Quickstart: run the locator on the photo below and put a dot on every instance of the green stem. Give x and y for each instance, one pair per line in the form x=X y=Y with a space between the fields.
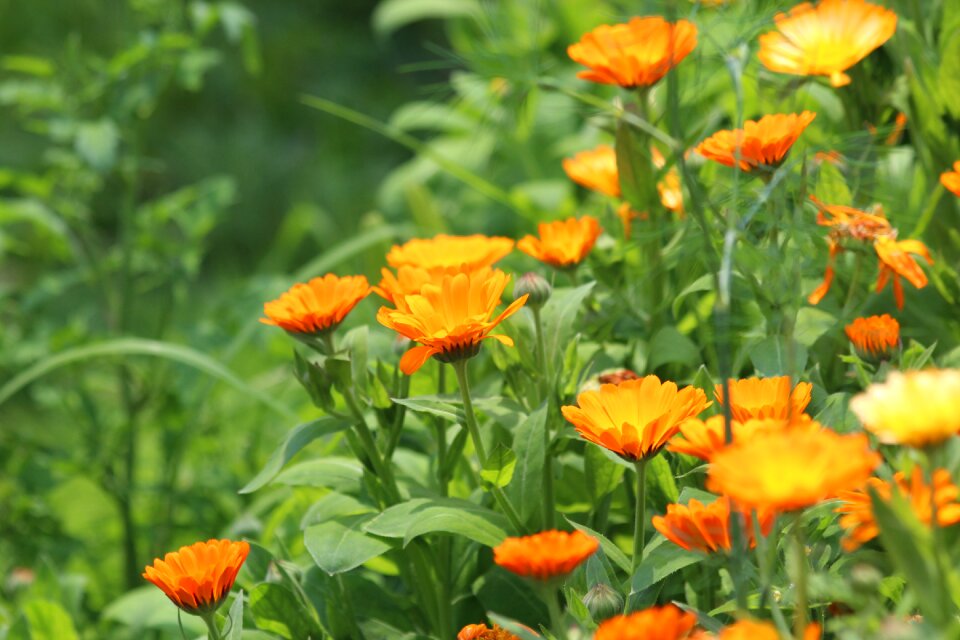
x=640 y=517
x=549 y=507
x=854 y=281
x=549 y=595
x=210 y=619
x=800 y=579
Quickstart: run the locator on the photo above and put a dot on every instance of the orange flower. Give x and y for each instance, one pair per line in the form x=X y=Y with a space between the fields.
x=317 y=306
x=766 y=398
x=198 y=578
x=826 y=40
x=874 y=336
x=857 y=510
x=635 y=418
x=545 y=555
x=706 y=528
x=790 y=469
x=627 y=215
x=595 y=169
x=465 y=252
x=563 y=243
x=755 y=630
x=635 y=54
x=916 y=408
x=703 y=438
x=895 y=261
x=656 y=623
x=951 y=179
x=760 y=144
x=409 y=280
x=482 y=632
x=451 y=317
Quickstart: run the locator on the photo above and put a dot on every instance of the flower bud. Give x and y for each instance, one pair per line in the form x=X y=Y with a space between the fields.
x=602 y=601
x=535 y=285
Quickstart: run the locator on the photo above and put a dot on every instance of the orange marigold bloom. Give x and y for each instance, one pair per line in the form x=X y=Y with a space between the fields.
x=915 y=408
x=874 y=336
x=826 y=40
x=703 y=438
x=790 y=469
x=760 y=144
x=857 y=510
x=656 y=623
x=409 y=280
x=635 y=54
x=465 y=252
x=706 y=528
x=951 y=179
x=197 y=578
x=482 y=632
x=451 y=317
x=563 y=243
x=545 y=555
x=635 y=418
x=595 y=169
x=756 y=630
x=896 y=261
x=766 y=398
x=319 y=305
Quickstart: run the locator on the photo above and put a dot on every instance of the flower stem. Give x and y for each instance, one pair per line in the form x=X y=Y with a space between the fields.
x=640 y=521
x=800 y=579
x=210 y=619
x=548 y=594
x=547 y=396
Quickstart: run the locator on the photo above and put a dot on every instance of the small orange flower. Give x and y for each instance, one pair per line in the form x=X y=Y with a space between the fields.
x=703 y=438
x=451 y=317
x=706 y=528
x=766 y=398
x=564 y=243
x=760 y=144
x=756 y=630
x=951 y=179
x=595 y=169
x=656 y=623
x=635 y=418
x=791 y=469
x=874 y=336
x=319 y=305
x=409 y=280
x=635 y=54
x=545 y=555
x=857 y=510
x=465 y=252
x=826 y=40
x=896 y=261
x=198 y=578
x=482 y=632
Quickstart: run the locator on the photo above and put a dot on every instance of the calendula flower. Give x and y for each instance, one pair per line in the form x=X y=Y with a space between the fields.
x=635 y=418
x=856 y=508
x=916 y=408
x=409 y=280
x=951 y=179
x=564 y=243
x=874 y=336
x=317 y=306
x=765 y=398
x=761 y=144
x=896 y=262
x=826 y=39
x=482 y=632
x=464 y=252
x=635 y=54
x=756 y=630
x=785 y=470
x=595 y=169
x=451 y=317
x=706 y=528
x=656 y=623
x=545 y=555
x=197 y=578
x=703 y=438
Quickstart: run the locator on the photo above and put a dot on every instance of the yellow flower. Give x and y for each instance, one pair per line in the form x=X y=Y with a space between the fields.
x=595 y=169
x=564 y=243
x=760 y=144
x=703 y=438
x=465 y=252
x=317 y=306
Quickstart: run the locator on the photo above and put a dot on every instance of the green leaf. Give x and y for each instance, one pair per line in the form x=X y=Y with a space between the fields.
x=777 y=356
x=811 y=325
x=340 y=474
x=147 y=608
x=498 y=470
x=295 y=440
x=501 y=592
x=439 y=406
x=705 y=282
x=831 y=187
x=634 y=166
x=275 y=608
x=559 y=316
x=334 y=505
x=602 y=474
x=341 y=545
x=97 y=143
x=948 y=76
x=660 y=475
x=420 y=516
x=613 y=552
x=528 y=443
x=48 y=620
x=235 y=618
x=916 y=356
x=391 y=15
x=669 y=346
x=661 y=558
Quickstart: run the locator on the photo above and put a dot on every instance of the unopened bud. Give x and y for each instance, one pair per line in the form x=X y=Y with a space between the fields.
x=603 y=602
x=535 y=285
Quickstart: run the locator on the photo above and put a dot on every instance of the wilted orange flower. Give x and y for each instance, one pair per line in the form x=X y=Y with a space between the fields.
x=765 y=398
x=916 y=408
x=896 y=261
x=874 y=336
x=826 y=40
x=466 y=252
x=319 y=305
x=635 y=54
x=951 y=179
x=656 y=623
x=545 y=555
x=451 y=317
x=760 y=144
x=706 y=528
x=635 y=418
x=482 y=632
x=703 y=438
x=857 y=510
x=788 y=469
x=756 y=630
x=197 y=578
x=595 y=169
x=563 y=243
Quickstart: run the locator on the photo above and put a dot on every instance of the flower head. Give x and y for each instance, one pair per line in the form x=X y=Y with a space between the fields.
x=595 y=169
x=545 y=555
x=760 y=144
x=706 y=528
x=826 y=40
x=635 y=418
x=409 y=280
x=482 y=632
x=451 y=317
x=198 y=578
x=656 y=623
x=703 y=438
x=896 y=262
x=916 y=408
x=319 y=305
x=766 y=398
x=856 y=508
x=563 y=243
x=786 y=469
x=464 y=252
x=635 y=54
x=756 y=630
x=874 y=336
x=951 y=179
